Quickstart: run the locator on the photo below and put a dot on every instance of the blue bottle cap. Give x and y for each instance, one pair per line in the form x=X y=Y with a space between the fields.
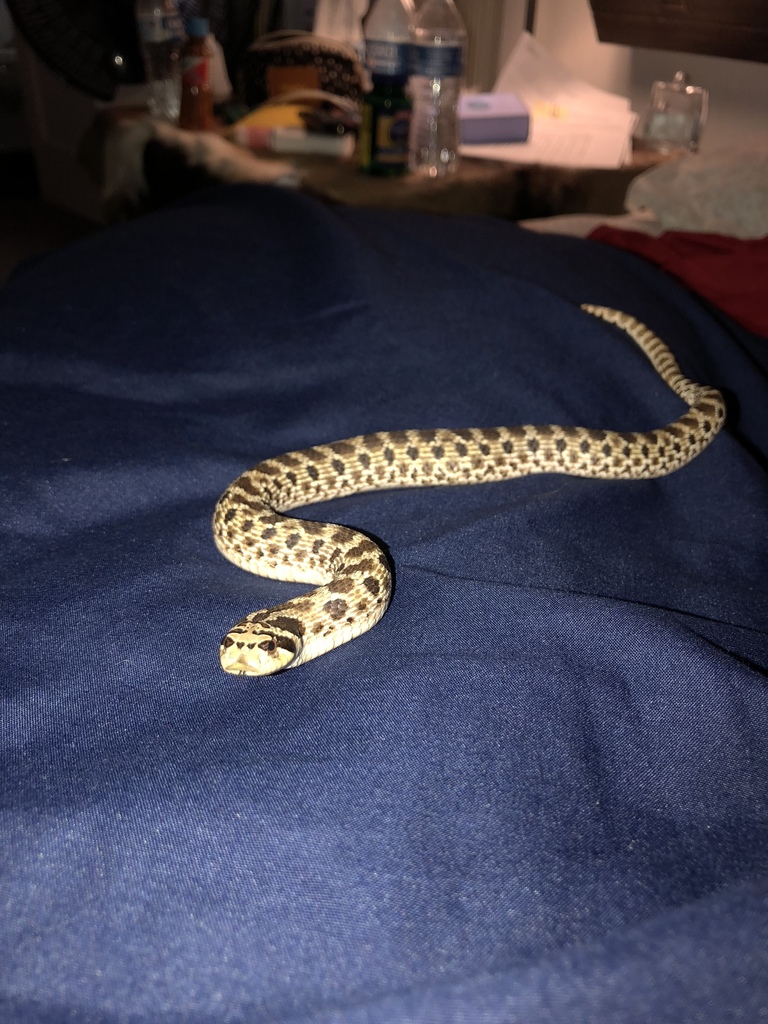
x=198 y=27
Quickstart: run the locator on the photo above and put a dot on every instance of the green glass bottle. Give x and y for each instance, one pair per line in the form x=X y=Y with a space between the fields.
x=386 y=119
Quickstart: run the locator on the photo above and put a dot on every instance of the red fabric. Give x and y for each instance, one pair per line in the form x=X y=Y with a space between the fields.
x=732 y=273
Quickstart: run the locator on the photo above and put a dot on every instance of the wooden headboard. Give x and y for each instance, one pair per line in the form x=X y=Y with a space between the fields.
x=722 y=28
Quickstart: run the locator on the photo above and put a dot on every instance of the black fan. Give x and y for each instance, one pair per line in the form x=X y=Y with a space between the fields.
x=91 y=43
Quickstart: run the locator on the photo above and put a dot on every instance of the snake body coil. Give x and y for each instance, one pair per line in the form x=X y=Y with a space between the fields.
x=351 y=573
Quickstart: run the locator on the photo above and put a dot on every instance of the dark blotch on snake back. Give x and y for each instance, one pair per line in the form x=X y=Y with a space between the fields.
x=315 y=454
x=286 y=459
x=342 y=586
x=287 y=623
x=310 y=526
x=341 y=448
x=336 y=608
x=365 y=547
x=364 y=565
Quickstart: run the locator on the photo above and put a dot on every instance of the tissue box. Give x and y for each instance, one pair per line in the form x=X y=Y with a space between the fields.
x=493 y=117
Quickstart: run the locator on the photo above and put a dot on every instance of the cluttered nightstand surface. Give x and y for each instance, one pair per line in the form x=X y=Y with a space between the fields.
x=170 y=163
x=495 y=188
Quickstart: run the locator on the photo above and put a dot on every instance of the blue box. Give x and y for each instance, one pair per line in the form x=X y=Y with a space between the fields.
x=493 y=117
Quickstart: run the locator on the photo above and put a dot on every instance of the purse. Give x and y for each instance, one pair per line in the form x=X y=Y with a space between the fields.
x=286 y=61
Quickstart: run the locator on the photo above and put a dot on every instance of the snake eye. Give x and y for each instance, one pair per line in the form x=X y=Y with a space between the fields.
x=270 y=646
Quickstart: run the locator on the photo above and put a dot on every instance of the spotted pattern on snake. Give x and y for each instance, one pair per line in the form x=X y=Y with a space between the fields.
x=351 y=572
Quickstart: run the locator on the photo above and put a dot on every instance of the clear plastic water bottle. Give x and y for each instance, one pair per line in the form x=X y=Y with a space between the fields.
x=387 y=33
x=439 y=42
x=161 y=35
x=386 y=113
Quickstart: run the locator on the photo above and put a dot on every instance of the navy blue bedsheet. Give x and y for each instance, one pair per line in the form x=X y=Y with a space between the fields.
x=536 y=792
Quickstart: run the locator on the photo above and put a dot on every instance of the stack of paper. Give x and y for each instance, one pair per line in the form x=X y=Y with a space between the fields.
x=573 y=124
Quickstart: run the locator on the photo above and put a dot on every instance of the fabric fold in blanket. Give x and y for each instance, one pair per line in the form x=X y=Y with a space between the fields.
x=536 y=792
x=731 y=273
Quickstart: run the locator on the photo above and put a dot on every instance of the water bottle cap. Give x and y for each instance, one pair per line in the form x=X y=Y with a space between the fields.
x=198 y=27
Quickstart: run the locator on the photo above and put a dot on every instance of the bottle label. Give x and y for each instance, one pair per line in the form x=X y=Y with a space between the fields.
x=438 y=61
x=383 y=57
x=195 y=72
x=392 y=137
x=383 y=140
x=161 y=28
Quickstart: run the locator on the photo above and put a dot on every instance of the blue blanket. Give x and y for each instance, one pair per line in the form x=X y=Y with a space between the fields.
x=536 y=792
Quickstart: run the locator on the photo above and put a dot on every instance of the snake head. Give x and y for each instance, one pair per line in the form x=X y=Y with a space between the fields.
x=258 y=649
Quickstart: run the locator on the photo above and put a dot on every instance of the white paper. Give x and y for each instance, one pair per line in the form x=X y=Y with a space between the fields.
x=575 y=143
x=573 y=124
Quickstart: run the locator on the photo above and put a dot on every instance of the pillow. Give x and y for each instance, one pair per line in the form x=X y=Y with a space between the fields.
x=725 y=193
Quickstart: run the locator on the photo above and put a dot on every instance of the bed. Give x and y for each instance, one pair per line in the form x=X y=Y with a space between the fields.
x=535 y=792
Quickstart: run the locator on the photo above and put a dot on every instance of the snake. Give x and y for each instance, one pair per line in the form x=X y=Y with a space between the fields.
x=349 y=571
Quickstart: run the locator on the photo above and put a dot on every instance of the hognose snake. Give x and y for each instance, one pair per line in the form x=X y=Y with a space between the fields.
x=350 y=571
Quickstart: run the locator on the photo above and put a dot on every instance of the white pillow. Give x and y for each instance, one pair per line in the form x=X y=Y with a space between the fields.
x=725 y=193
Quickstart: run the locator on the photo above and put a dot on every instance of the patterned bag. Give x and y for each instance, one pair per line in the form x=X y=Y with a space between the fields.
x=285 y=61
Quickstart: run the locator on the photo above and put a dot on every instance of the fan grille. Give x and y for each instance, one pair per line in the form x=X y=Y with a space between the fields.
x=92 y=44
